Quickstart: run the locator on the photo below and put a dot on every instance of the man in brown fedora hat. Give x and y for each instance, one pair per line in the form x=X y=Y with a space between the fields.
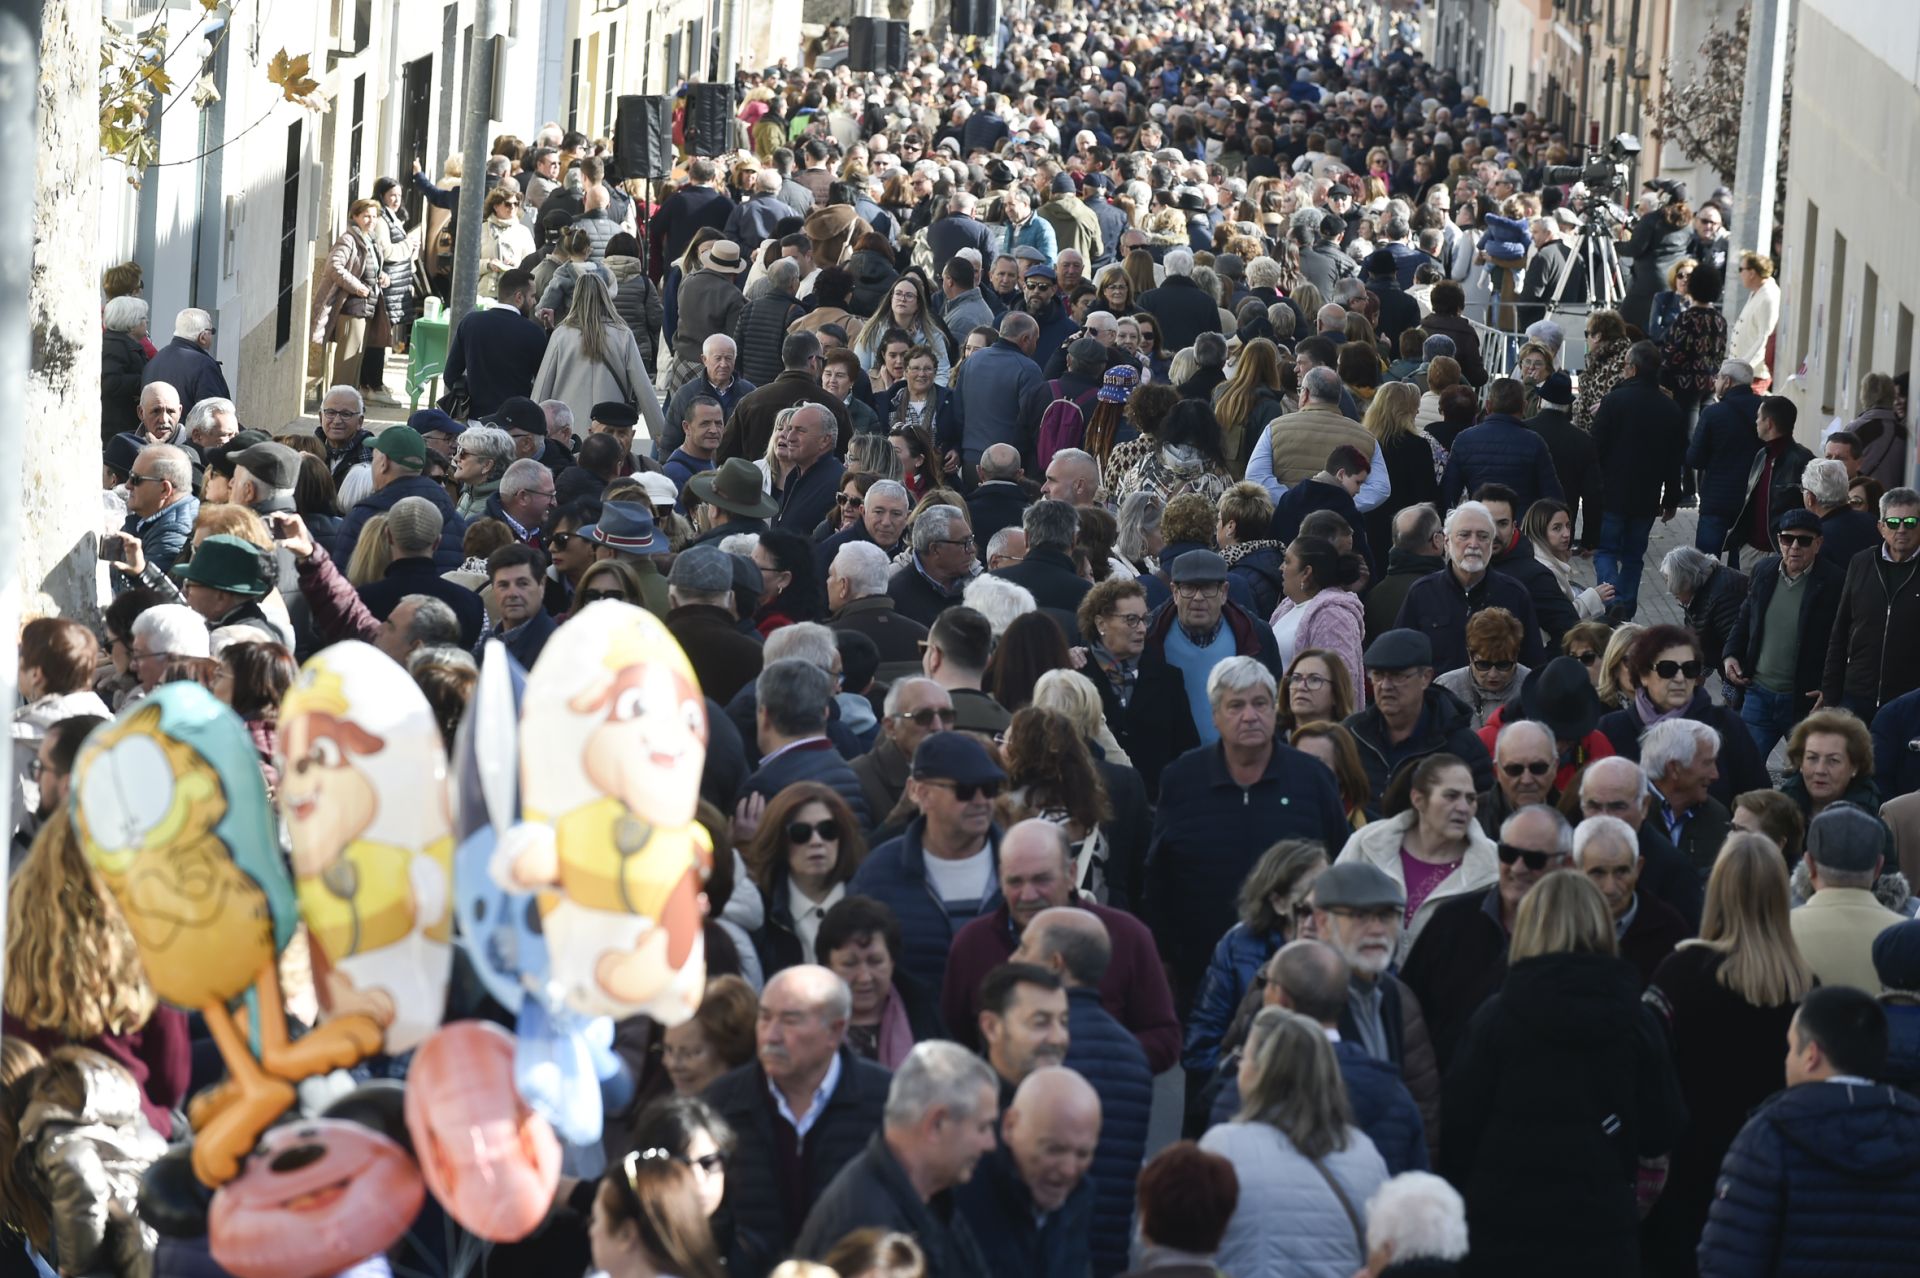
x=710 y=302
x=728 y=500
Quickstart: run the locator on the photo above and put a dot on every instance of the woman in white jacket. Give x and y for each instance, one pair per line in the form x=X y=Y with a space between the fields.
x=1305 y=1171
x=1434 y=849
x=1758 y=317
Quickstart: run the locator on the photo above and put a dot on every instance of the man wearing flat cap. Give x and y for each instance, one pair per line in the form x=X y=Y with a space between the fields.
x=1359 y=911
x=1780 y=665
x=225 y=580
x=1847 y=847
x=941 y=873
x=399 y=458
x=700 y=615
x=1408 y=718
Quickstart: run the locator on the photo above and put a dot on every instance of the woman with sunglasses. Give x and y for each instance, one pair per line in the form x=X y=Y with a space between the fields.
x=801 y=854
x=649 y=1220
x=505 y=241
x=1667 y=668
x=608 y=579
x=1430 y=843
x=1491 y=680
x=1275 y=908
x=569 y=554
x=1317 y=686
x=860 y=942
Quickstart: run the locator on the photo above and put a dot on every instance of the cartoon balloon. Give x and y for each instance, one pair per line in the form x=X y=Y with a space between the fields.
x=488 y=1158
x=612 y=742
x=169 y=803
x=315 y=1198
x=363 y=787
x=499 y=926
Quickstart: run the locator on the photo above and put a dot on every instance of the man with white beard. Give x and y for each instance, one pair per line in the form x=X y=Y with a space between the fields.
x=1439 y=604
x=1359 y=911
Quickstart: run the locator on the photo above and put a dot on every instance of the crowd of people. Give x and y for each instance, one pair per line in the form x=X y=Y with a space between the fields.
x=1163 y=586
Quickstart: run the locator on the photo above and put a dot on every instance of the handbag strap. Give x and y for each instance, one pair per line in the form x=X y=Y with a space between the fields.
x=1346 y=1205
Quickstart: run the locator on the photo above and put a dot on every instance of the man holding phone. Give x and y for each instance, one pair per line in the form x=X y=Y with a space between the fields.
x=161 y=506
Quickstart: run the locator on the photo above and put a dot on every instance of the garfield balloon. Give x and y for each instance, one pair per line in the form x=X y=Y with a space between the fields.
x=170 y=805
x=363 y=789
x=613 y=738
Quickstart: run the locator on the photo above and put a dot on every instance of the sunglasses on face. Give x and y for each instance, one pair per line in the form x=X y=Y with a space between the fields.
x=802 y=832
x=1535 y=861
x=1484 y=666
x=925 y=718
x=967 y=792
x=1796 y=539
x=560 y=541
x=1902 y=521
x=593 y=596
x=849 y=500
x=1586 y=658
x=1538 y=768
x=1682 y=669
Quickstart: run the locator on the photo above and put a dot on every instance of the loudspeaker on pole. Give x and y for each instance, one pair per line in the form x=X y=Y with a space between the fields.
x=710 y=109
x=643 y=136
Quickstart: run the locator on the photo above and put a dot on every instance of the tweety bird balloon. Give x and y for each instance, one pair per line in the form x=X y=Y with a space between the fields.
x=363 y=788
x=169 y=803
x=613 y=738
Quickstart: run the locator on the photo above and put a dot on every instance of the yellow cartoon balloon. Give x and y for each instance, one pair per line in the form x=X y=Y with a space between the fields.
x=363 y=789
x=612 y=742
x=169 y=803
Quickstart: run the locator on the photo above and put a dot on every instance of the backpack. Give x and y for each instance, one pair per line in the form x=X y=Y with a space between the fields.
x=1062 y=425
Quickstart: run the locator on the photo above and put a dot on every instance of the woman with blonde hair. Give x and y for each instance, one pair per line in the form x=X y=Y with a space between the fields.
x=1247 y=401
x=1304 y=1168
x=73 y=974
x=371 y=554
x=1758 y=318
x=344 y=298
x=1415 y=461
x=592 y=358
x=1334 y=745
x=1560 y=1091
x=1726 y=999
x=1071 y=693
x=1615 y=682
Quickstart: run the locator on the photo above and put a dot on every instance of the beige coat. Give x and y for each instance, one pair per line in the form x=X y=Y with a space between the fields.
x=1378 y=844
x=1835 y=933
x=566 y=374
x=353 y=270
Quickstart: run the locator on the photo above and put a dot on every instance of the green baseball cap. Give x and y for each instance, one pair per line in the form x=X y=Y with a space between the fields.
x=403 y=445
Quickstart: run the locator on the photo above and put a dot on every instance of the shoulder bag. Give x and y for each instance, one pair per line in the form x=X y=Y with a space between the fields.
x=1346 y=1205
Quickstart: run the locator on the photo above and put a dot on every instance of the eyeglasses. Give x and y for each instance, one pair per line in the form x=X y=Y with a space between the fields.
x=967 y=541
x=1311 y=682
x=594 y=596
x=134 y=481
x=340 y=412
x=1539 y=768
x=1198 y=589
x=927 y=716
x=1535 y=861
x=560 y=541
x=848 y=501
x=1483 y=666
x=1797 y=539
x=966 y=792
x=35 y=768
x=803 y=832
x=1586 y=658
x=1386 y=914
x=137 y=656
x=1684 y=669
x=1902 y=521
x=1131 y=620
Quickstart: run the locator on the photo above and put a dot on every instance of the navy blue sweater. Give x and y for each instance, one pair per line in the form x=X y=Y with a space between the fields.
x=1105 y=1053
x=895 y=873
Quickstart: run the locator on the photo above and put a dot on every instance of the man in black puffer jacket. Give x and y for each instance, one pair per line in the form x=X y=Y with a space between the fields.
x=1825 y=1177
x=1408 y=718
x=1722 y=450
x=775 y=1176
x=1100 y=1049
x=762 y=324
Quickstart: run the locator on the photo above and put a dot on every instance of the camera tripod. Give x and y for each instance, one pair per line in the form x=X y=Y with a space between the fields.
x=1594 y=254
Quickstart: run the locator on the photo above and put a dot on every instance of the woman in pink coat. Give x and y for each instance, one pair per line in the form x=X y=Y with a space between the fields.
x=1320 y=610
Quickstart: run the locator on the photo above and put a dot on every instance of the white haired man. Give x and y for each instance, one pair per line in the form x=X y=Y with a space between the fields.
x=1607 y=850
x=186 y=363
x=1438 y=605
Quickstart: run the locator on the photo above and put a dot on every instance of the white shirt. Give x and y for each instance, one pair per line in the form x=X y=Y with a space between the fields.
x=964 y=879
x=807 y=915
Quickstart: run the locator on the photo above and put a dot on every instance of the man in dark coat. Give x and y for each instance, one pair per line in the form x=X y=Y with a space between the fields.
x=525 y=625
x=496 y=351
x=750 y=429
x=1182 y=307
x=1074 y=944
x=1398 y=311
x=800 y=1113
x=1871 y=658
x=1607 y=851
x=959 y=229
x=413 y=531
x=399 y=455
x=1419 y=550
x=810 y=473
x=1641 y=436
x=1324 y=264
x=904 y=1180
x=1438 y=606
x=998 y=501
x=1844 y=531
x=1575 y=463
x=186 y=363
x=1773 y=479
x=791 y=701
x=1407 y=718
x=1825 y=1177
x=1501 y=450
x=700 y=616
x=1030 y=1204
x=698 y=204
x=1724 y=443
x=1047 y=572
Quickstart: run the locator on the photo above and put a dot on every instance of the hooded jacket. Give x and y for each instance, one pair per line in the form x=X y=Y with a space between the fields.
x=1336 y=620
x=1824 y=1179
x=1563 y=1084
x=1378 y=844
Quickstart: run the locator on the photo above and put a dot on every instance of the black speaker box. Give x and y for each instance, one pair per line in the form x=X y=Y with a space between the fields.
x=876 y=44
x=710 y=110
x=643 y=136
x=975 y=17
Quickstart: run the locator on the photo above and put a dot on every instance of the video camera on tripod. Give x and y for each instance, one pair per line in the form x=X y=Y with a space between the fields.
x=1604 y=176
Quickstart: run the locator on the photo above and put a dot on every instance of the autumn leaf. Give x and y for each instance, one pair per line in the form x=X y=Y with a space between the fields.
x=291 y=75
